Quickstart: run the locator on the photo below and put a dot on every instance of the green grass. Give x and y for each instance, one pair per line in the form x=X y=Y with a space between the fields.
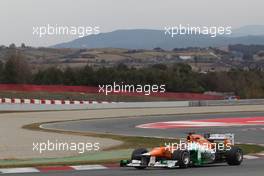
x=250 y=149
x=101 y=157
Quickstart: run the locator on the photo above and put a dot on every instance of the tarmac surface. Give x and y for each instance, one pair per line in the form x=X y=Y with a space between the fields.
x=127 y=126
x=247 y=168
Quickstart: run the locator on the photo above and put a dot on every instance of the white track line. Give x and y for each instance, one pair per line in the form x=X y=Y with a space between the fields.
x=250 y=157
x=19 y=170
x=88 y=167
x=260 y=154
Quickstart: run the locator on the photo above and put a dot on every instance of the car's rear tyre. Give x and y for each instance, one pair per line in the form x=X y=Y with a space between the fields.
x=137 y=155
x=234 y=156
x=183 y=158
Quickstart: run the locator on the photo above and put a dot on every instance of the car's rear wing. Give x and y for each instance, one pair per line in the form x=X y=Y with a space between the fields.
x=220 y=137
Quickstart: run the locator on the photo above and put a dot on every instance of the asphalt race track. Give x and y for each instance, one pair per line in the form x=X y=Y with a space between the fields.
x=248 y=168
x=126 y=126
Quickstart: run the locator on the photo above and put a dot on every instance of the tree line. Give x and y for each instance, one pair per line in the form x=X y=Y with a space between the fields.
x=248 y=51
x=178 y=77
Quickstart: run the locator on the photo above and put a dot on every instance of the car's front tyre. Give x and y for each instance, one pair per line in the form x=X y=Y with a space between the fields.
x=183 y=158
x=137 y=155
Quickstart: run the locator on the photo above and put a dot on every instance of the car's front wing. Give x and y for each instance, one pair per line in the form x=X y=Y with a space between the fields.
x=138 y=163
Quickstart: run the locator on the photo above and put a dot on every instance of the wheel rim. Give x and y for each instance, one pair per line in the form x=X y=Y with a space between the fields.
x=185 y=159
x=239 y=156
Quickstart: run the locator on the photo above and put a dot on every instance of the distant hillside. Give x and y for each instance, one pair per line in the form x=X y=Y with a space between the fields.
x=149 y=39
x=252 y=30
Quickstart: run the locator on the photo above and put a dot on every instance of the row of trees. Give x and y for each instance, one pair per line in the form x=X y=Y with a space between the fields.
x=177 y=78
x=15 y=70
x=248 y=51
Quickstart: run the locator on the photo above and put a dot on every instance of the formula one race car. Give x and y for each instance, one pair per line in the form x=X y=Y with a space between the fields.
x=194 y=150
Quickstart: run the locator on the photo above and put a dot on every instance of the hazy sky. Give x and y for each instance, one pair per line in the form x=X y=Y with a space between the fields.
x=19 y=16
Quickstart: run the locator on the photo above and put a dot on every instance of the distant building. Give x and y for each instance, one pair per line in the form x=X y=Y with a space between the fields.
x=186 y=57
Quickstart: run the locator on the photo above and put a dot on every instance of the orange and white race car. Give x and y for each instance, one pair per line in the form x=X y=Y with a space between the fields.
x=194 y=150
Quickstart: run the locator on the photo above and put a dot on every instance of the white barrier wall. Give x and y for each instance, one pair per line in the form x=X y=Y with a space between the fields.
x=42 y=105
x=102 y=105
